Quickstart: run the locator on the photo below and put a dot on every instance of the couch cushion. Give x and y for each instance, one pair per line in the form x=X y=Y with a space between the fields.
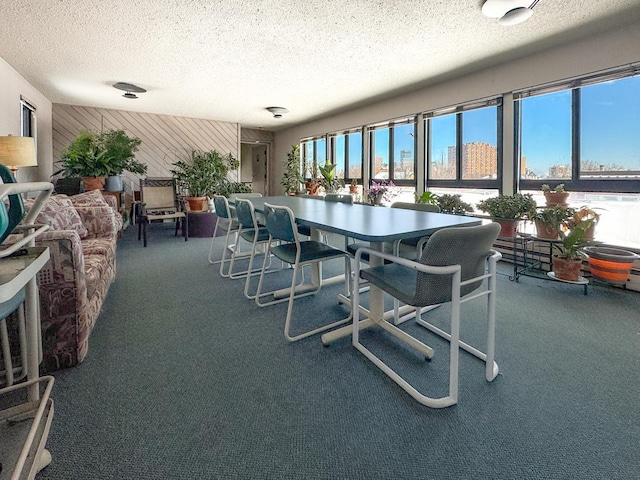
x=60 y=214
x=91 y=198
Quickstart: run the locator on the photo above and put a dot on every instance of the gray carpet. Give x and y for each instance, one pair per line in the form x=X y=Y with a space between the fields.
x=186 y=379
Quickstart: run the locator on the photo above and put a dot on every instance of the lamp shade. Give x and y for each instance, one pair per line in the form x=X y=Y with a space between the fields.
x=18 y=152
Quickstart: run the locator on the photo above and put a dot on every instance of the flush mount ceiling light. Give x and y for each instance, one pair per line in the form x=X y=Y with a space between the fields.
x=129 y=88
x=277 y=111
x=510 y=12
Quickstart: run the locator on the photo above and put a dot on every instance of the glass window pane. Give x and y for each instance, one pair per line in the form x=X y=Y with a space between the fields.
x=403 y=152
x=479 y=144
x=355 y=155
x=442 y=148
x=339 y=155
x=321 y=151
x=610 y=122
x=381 y=153
x=546 y=136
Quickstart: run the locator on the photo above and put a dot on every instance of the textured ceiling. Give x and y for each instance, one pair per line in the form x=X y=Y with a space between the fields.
x=229 y=60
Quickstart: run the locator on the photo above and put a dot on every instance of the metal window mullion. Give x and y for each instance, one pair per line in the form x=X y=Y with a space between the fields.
x=575 y=134
x=459 y=126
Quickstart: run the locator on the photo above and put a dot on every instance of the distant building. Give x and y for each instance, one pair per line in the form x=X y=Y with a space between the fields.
x=479 y=160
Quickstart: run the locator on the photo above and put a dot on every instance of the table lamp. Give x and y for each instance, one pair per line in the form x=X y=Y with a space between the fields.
x=16 y=152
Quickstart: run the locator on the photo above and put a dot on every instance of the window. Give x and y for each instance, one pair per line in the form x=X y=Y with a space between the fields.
x=582 y=133
x=462 y=146
x=609 y=127
x=27 y=119
x=545 y=129
x=347 y=154
x=393 y=151
x=314 y=149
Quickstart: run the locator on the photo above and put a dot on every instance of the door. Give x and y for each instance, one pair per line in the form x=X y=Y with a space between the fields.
x=254 y=166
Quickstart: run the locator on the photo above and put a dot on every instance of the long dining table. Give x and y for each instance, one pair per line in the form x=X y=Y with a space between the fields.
x=373 y=224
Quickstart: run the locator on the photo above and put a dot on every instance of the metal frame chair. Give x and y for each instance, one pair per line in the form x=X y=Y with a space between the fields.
x=452 y=267
x=158 y=201
x=281 y=225
x=223 y=212
x=250 y=231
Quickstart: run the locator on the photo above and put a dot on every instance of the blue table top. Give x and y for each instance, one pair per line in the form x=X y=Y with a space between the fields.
x=365 y=222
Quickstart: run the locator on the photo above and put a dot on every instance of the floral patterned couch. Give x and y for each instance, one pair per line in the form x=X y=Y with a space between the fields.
x=73 y=285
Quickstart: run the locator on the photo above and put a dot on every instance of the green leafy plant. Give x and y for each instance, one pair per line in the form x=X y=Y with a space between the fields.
x=329 y=180
x=204 y=173
x=453 y=204
x=552 y=216
x=516 y=206
x=572 y=241
x=99 y=154
x=557 y=189
x=292 y=178
x=427 y=197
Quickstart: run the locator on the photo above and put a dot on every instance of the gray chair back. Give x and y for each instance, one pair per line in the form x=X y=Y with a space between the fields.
x=423 y=207
x=468 y=247
x=222 y=206
x=338 y=198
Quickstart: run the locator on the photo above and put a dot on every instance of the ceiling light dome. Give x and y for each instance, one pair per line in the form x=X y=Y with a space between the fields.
x=277 y=111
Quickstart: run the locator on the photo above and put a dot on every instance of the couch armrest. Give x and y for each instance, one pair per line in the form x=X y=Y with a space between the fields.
x=100 y=222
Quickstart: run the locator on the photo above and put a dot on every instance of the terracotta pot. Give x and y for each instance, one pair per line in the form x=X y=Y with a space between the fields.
x=556 y=198
x=508 y=228
x=197 y=204
x=546 y=231
x=93 y=183
x=353 y=189
x=566 y=269
x=611 y=265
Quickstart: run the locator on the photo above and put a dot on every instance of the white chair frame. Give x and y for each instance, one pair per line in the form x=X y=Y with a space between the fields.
x=491 y=367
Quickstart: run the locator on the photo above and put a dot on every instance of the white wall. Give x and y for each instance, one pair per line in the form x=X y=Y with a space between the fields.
x=12 y=85
x=598 y=52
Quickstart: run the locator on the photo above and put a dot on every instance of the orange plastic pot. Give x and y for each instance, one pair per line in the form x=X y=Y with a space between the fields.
x=611 y=265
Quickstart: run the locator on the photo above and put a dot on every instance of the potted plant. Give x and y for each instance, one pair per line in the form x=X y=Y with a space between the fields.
x=121 y=150
x=291 y=178
x=568 y=261
x=353 y=188
x=96 y=155
x=202 y=175
x=508 y=210
x=329 y=181
x=428 y=198
x=453 y=204
x=556 y=196
x=379 y=191
x=313 y=184
x=547 y=219
x=584 y=213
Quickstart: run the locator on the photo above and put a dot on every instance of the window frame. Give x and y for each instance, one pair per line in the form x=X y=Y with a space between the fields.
x=391 y=124
x=458 y=111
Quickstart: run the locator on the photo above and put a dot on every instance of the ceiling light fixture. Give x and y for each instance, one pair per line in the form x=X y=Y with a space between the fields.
x=277 y=111
x=510 y=12
x=129 y=88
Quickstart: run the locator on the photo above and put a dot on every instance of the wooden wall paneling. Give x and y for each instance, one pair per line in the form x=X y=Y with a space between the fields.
x=165 y=138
